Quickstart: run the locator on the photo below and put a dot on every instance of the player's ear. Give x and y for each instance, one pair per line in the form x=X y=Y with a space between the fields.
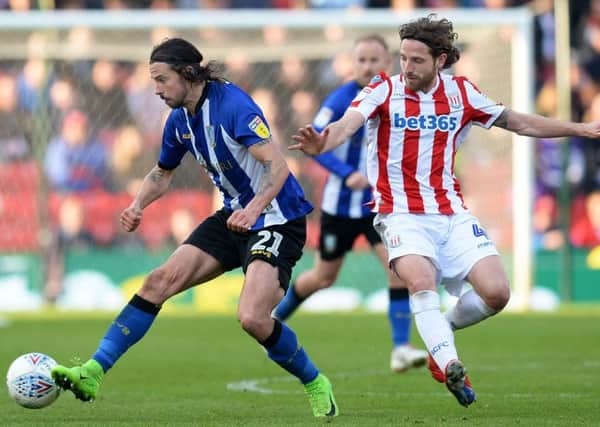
x=440 y=61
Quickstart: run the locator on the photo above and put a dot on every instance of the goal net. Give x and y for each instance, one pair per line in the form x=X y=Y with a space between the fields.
x=79 y=82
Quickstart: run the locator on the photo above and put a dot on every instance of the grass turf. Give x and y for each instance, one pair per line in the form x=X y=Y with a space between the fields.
x=531 y=369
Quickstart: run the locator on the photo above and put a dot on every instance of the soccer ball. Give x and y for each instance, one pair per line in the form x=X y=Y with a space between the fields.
x=29 y=381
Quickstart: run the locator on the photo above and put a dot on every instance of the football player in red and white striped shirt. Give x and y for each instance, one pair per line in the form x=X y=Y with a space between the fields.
x=416 y=122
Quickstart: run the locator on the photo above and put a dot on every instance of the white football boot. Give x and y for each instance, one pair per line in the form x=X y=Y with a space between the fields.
x=406 y=356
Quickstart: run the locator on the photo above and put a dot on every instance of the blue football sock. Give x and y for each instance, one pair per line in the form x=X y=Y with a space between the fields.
x=286 y=307
x=399 y=316
x=283 y=348
x=128 y=328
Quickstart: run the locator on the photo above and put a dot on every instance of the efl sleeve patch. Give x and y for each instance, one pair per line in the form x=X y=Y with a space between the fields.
x=259 y=128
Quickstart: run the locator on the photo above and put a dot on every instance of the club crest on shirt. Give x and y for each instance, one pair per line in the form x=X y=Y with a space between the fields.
x=259 y=128
x=454 y=101
x=210 y=135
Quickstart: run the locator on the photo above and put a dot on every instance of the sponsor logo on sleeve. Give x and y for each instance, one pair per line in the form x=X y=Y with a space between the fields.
x=259 y=128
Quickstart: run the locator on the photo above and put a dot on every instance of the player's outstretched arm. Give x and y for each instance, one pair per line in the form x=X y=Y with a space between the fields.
x=544 y=127
x=310 y=142
x=155 y=184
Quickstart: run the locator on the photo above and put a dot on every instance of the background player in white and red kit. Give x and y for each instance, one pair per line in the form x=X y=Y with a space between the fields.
x=416 y=122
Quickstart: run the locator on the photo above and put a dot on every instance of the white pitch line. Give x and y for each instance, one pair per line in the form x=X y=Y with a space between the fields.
x=261 y=386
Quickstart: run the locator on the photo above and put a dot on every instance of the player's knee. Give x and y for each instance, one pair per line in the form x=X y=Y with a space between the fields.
x=252 y=324
x=498 y=295
x=159 y=284
x=326 y=280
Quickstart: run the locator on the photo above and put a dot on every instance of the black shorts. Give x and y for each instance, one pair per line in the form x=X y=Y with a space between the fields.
x=279 y=245
x=338 y=234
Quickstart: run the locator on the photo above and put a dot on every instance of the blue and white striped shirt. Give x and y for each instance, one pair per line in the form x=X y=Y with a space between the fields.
x=345 y=159
x=218 y=134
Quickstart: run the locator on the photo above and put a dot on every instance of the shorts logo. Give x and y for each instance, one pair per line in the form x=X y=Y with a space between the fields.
x=259 y=128
x=478 y=231
x=395 y=241
x=187 y=136
x=329 y=243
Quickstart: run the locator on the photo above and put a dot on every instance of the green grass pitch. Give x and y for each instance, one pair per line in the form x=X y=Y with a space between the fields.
x=528 y=370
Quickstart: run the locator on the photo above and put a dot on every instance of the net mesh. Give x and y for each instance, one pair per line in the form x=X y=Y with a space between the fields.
x=80 y=125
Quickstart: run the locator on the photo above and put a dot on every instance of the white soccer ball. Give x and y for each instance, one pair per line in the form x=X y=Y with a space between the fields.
x=29 y=381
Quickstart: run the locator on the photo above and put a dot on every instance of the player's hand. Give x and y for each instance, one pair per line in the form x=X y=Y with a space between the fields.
x=356 y=181
x=309 y=141
x=130 y=218
x=592 y=130
x=241 y=221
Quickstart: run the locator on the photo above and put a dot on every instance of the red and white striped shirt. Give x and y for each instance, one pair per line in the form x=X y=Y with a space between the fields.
x=413 y=138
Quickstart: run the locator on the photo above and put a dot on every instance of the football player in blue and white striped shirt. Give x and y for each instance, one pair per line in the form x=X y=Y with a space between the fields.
x=344 y=211
x=261 y=227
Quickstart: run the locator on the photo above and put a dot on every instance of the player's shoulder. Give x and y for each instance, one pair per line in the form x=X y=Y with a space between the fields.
x=226 y=89
x=176 y=115
x=379 y=79
x=462 y=81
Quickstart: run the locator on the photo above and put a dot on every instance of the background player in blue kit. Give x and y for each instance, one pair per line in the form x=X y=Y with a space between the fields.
x=261 y=228
x=344 y=211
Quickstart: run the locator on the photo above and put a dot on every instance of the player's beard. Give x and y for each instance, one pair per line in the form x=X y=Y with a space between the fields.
x=173 y=103
x=417 y=83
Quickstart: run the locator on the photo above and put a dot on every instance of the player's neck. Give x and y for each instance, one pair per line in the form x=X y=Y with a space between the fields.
x=431 y=84
x=194 y=97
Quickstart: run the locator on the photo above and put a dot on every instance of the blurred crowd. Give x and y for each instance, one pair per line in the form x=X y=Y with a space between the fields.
x=255 y=4
x=102 y=123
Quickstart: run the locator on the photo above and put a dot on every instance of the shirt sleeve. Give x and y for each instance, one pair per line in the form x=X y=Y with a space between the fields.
x=372 y=96
x=249 y=125
x=173 y=149
x=482 y=110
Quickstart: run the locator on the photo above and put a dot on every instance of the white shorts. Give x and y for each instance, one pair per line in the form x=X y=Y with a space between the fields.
x=453 y=243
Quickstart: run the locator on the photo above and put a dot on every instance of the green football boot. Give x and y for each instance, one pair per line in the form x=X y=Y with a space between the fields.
x=320 y=396
x=84 y=381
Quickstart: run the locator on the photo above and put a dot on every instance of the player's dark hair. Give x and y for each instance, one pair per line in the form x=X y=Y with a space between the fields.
x=439 y=35
x=185 y=59
x=372 y=38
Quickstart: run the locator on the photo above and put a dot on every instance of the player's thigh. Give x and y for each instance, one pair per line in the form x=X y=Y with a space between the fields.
x=412 y=243
x=186 y=267
x=489 y=279
x=192 y=266
x=416 y=272
x=393 y=280
x=261 y=290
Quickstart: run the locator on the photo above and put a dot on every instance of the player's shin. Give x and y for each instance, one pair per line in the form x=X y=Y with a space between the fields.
x=128 y=328
x=433 y=327
x=283 y=348
x=469 y=309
